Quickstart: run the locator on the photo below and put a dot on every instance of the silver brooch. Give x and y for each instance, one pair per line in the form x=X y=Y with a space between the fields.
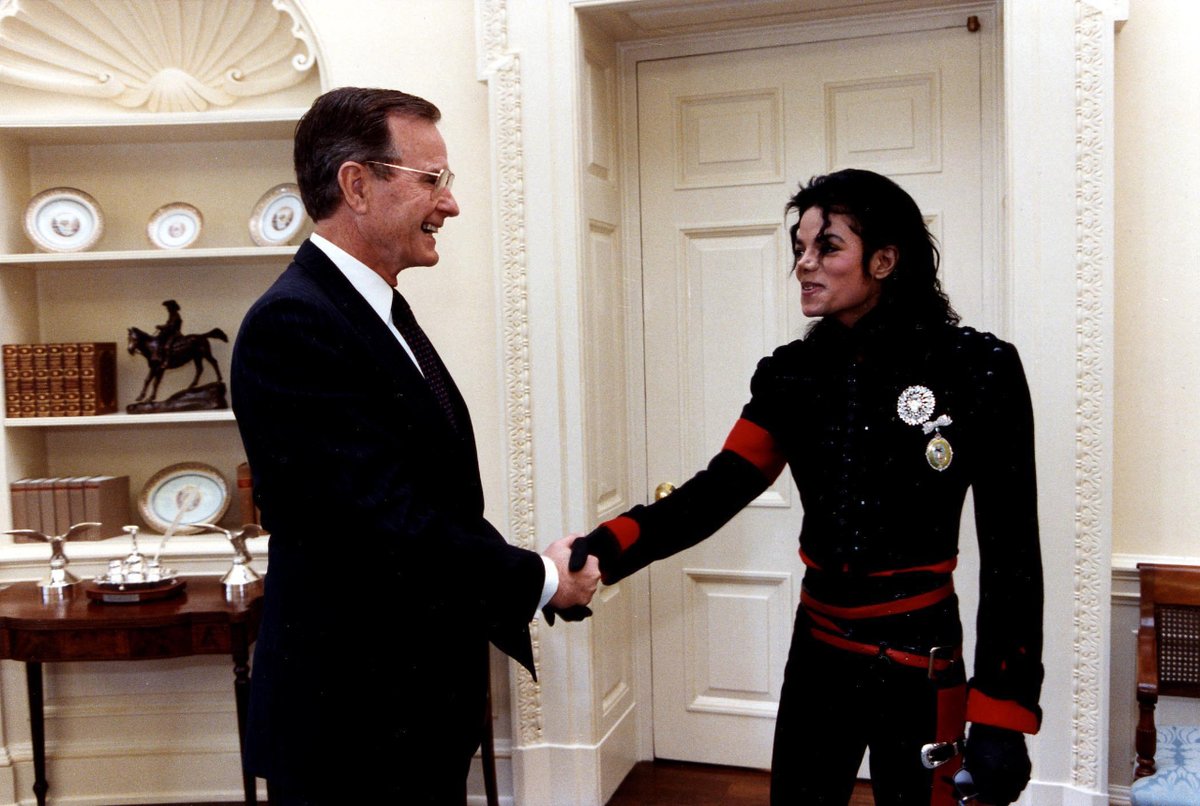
x=915 y=407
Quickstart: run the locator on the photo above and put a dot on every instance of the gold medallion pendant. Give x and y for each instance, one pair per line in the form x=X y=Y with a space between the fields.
x=938 y=453
x=915 y=406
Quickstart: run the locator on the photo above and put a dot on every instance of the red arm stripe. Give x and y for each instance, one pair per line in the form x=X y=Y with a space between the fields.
x=1000 y=713
x=625 y=530
x=755 y=444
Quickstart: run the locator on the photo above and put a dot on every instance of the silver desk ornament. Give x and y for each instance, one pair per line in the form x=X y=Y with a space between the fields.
x=58 y=583
x=136 y=569
x=136 y=578
x=241 y=580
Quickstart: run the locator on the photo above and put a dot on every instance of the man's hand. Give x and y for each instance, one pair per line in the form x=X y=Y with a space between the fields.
x=600 y=544
x=576 y=581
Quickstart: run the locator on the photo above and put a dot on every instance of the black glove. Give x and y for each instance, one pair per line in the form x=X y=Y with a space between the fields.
x=601 y=543
x=572 y=613
x=998 y=763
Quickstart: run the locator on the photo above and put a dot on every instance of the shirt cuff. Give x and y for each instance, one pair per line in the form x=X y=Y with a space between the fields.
x=550 y=586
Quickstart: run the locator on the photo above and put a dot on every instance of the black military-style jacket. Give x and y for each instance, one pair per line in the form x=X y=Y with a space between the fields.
x=853 y=412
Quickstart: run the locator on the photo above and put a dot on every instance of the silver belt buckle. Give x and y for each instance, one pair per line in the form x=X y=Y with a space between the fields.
x=933 y=652
x=936 y=754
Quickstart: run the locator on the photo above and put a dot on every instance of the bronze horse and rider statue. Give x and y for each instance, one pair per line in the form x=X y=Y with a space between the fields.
x=168 y=348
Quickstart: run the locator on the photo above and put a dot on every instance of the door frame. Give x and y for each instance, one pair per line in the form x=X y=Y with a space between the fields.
x=1056 y=180
x=994 y=285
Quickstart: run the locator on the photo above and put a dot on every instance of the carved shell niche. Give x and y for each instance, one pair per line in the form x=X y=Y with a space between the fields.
x=162 y=55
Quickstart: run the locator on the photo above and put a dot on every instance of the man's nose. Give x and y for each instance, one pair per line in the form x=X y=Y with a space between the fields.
x=448 y=204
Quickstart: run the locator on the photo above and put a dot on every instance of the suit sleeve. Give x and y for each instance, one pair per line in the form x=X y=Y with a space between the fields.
x=748 y=462
x=344 y=460
x=1008 y=673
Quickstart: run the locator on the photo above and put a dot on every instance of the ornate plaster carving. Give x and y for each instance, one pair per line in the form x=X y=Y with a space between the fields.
x=502 y=72
x=165 y=56
x=1092 y=71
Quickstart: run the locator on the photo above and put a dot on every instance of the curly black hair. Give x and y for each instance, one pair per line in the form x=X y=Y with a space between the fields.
x=883 y=214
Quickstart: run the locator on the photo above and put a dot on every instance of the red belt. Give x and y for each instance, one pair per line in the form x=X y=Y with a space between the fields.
x=891 y=608
x=931 y=662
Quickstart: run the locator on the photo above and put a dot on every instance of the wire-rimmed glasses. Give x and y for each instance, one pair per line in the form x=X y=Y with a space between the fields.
x=443 y=181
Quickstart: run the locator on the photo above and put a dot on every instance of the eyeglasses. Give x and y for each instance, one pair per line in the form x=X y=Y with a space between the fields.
x=444 y=180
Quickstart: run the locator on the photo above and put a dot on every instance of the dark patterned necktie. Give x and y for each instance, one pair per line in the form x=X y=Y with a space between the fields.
x=427 y=360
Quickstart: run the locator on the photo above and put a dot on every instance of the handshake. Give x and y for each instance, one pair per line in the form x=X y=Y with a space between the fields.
x=578 y=576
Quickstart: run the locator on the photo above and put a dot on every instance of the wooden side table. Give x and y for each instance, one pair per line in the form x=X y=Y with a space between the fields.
x=198 y=621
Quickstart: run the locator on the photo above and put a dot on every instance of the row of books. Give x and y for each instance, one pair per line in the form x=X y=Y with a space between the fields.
x=52 y=505
x=63 y=379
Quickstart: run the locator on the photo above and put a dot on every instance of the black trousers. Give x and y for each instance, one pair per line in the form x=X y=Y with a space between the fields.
x=411 y=745
x=836 y=703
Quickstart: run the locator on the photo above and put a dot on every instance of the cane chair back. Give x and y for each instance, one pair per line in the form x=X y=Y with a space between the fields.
x=1168 y=664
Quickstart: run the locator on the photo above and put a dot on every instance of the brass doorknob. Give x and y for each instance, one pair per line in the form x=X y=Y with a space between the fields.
x=663 y=490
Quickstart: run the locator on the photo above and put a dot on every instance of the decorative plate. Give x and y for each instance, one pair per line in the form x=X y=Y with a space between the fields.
x=174 y=226
x=184 y=494
x=277 y=216
x=63 y=220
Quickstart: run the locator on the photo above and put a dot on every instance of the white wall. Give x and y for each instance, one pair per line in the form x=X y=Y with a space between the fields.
x=1156 y=507
x=1157 y=289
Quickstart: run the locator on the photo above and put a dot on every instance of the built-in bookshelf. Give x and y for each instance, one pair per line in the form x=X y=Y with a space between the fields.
x=222 y=163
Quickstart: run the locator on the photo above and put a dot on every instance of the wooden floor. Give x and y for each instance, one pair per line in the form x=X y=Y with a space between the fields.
x=674 y=783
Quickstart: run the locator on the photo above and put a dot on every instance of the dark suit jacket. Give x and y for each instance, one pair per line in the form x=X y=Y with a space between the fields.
x=384 y=582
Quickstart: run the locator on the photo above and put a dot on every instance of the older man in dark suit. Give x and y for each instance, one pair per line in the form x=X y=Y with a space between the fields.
x=385 y=582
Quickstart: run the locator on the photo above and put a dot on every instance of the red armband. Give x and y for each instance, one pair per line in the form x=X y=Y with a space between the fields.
x=755 y=444
x=1000 y=713
x=625 y=530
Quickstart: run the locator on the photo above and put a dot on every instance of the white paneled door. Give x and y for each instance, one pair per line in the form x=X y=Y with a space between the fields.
x=724 y=139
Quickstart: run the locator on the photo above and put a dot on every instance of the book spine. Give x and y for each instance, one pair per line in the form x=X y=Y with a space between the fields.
x=91 y=507
x=33 y=508
x=25 y=379
x=75 y=501
x=20 y=517
x=70 y=358
x=12 y=392
x=106 y=500
x=41 y=381
x=62 y=506
x=54 y=363
x=46 y=519
x=245 y=490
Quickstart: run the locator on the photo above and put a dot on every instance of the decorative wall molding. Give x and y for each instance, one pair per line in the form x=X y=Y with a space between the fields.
x=501 y=71
x=1092 y=182
x=160 y=56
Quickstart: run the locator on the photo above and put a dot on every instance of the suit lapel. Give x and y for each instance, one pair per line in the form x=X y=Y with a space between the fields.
x=393 y=362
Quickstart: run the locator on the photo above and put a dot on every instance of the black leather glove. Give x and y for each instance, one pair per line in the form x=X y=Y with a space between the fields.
x=998 y=763
x=601 y=543
x=572 y=613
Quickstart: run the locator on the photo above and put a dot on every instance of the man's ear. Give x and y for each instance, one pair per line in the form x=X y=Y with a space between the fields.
x=352 y=180
x=883 y=262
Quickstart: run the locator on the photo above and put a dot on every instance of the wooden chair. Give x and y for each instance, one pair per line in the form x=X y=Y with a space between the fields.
x=1168 y=663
